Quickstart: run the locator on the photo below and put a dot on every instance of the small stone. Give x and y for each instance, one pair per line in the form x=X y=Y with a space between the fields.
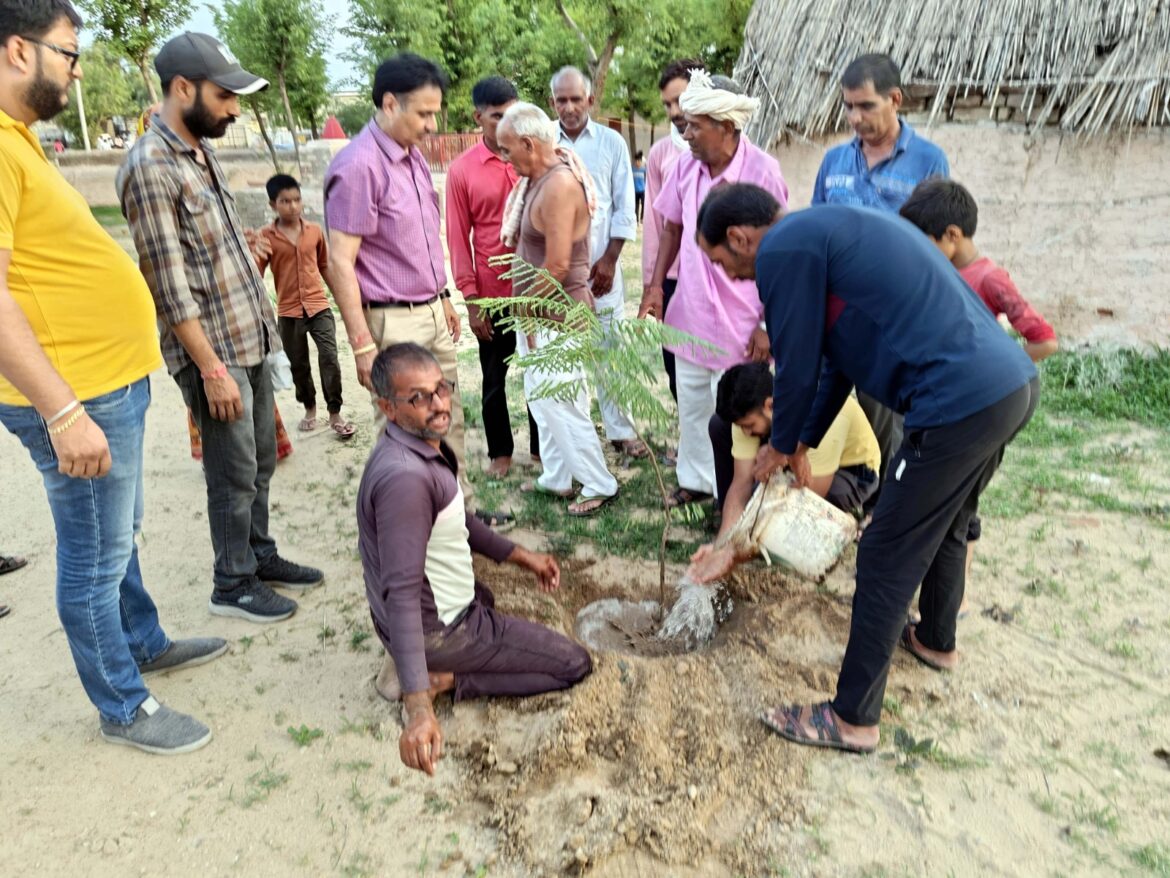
x=507 y=767
x=576 y=842
x=693 y=792
x=580 y=856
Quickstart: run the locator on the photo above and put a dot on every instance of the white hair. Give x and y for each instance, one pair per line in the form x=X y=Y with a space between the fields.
x=567 y=71
x=529 y=120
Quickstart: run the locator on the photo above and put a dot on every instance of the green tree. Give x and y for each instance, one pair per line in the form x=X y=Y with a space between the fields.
x=284 y=41
x=353 y=115
x=134 y=28
x=108 y=90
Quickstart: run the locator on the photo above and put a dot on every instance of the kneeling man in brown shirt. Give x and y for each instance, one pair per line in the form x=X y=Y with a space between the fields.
x=439 y=625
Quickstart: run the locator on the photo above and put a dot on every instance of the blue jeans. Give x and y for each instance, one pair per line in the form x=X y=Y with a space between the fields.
x=109 y=619
x=239 y=458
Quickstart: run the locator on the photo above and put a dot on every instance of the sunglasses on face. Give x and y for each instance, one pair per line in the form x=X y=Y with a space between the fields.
x=422 y=399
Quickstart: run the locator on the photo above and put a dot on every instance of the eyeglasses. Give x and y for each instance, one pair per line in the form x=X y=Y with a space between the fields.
x=422 y=399
x=60 y=50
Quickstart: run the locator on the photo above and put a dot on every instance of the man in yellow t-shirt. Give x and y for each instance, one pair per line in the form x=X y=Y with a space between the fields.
x=77 y=343
x=844 y=466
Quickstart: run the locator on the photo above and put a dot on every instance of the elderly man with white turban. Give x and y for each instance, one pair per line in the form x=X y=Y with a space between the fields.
x=725 y=313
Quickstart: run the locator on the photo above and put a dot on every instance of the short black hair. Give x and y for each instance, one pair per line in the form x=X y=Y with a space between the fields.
x=742 y=390
x=279 y=183
x=937 y=203
x=740 y=204
x=395 y=359
x=639 y=155
x=403 y=73
x=493 y=91
x=680 y=69
x=33 y=18
x=874 y=68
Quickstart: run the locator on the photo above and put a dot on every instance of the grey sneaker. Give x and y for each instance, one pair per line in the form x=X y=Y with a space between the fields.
x=285 y=574
x=185 y=654
x=158 y=729
x=253 y=601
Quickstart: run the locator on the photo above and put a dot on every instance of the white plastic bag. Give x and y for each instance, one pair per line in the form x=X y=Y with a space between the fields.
x=280 y=369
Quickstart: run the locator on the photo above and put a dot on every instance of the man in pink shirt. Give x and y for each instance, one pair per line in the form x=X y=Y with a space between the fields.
x=707 y=304
x=663 y=155
x=478 y=183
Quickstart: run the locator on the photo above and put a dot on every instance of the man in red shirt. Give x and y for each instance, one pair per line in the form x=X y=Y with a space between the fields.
x=478 y=183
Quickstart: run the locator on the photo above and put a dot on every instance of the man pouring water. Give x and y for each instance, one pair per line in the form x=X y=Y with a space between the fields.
x=855 y=298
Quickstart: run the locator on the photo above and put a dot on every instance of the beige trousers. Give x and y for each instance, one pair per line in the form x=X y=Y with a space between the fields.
x=425 y=325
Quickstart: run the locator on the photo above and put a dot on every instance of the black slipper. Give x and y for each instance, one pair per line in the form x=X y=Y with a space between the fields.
x=907 y=644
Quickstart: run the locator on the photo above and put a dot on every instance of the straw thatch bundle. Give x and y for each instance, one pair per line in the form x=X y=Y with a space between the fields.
x=1090 y=67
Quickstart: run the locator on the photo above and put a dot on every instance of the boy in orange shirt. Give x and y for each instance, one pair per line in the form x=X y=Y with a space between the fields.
x=297 y=252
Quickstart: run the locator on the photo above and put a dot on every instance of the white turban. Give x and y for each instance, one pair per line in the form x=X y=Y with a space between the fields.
x=702 y=98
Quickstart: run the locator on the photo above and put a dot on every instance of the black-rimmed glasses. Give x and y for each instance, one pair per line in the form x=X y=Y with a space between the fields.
x=422 y=399
x=60 y=50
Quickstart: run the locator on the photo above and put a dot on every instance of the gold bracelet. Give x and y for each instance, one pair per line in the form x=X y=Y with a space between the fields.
x=69 y=421
x=368 y=349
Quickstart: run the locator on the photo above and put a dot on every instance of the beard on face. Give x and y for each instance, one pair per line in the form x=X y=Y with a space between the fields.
x=43 y=96
x=201 y=123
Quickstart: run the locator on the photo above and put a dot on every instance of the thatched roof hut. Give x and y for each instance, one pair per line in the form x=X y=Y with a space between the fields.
x=1088 y=67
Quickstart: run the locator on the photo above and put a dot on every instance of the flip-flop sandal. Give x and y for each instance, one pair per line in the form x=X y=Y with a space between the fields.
x=344 y=430
x=4 y=610
x=785 y=722
x=307 y=425
x=538 y=488
x=10 y=563
x=685 y=496
x=907 y=644
x=581 y=499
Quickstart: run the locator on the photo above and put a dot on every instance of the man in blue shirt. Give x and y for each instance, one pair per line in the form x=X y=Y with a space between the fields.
x=853 y=297
x=878 y=168
x=886 y=159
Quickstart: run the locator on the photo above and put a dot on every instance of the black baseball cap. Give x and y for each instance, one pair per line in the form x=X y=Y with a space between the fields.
x=199 y=56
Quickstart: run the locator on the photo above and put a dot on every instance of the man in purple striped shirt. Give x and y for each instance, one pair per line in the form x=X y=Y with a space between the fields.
x=385 y=250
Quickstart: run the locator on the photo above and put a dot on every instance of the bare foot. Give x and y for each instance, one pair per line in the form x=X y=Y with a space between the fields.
x=946 y=660
x=389 y=688
x=634 y=448
x=499 y=467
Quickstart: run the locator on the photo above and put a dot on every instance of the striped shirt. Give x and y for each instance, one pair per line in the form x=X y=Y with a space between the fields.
x=384 y=194
x=192 y=250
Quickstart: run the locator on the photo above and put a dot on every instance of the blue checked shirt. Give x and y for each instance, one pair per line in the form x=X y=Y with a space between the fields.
x=845 y=178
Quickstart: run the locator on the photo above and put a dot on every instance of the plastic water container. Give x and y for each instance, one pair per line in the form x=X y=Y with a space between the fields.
x=793 y=526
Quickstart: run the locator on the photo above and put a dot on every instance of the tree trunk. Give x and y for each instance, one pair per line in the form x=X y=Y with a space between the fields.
x=264 y=132
x=144 y=69
x=288 y=115
x=601 y=68
x=314 y=128
x=630 y=132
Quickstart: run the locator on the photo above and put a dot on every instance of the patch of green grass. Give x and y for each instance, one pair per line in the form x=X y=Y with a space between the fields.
x=259 y=785
x=1109 y=384
x=304 y=736
x=362 y=802
x=1104 y=818
x=108 y=214
x=435 y=804
x=357 y=640
x=1123 y=649
x=1153 y=858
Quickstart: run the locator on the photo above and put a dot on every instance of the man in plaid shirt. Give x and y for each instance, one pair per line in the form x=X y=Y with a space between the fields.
x=216 y=321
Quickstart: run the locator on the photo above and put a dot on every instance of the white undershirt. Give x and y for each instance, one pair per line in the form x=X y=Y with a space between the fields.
x=448 y=564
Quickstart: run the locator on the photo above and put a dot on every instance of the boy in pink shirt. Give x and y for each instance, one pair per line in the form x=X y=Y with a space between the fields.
x=947 y=213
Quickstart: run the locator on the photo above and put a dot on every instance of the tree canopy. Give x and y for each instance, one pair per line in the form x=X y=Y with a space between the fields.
x=621 y=44
x=135 y=29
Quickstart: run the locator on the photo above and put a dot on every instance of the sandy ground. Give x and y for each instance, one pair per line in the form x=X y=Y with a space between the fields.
x=1045 y=741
